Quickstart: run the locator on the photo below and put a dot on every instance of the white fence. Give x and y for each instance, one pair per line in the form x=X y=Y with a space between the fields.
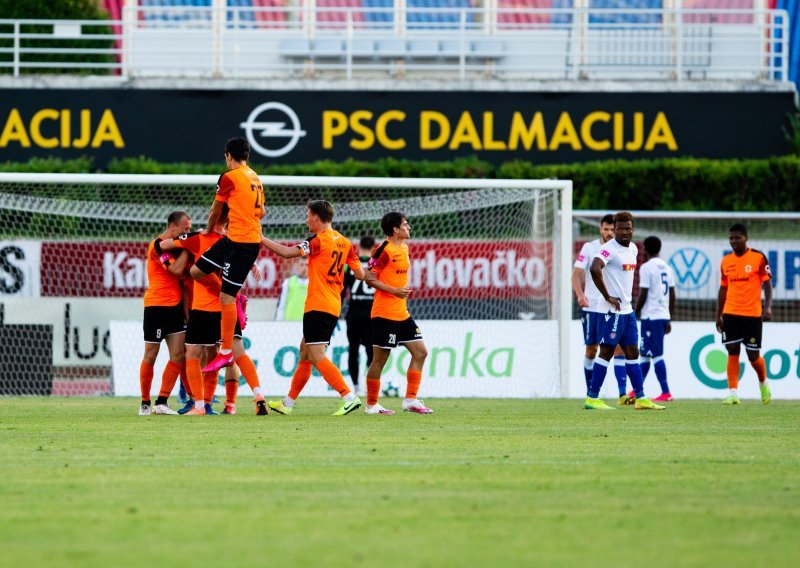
x=264 y=42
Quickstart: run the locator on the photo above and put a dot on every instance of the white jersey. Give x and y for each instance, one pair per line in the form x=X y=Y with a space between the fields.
x=584 y=262
x=656 y=275
x=618 y=274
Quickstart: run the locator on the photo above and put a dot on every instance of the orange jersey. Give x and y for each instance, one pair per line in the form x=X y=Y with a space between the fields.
x=163 y=287
x=241 y=189
x=327 y=253
x=743 y=276
x=390 y=264
x=205 y=294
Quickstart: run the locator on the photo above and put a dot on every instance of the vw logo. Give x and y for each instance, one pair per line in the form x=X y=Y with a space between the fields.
x=692 y=268
x=255 y=129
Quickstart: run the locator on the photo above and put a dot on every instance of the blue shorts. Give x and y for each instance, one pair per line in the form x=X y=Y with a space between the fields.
x=653 y=332
x=618 y=329
x=590 y=322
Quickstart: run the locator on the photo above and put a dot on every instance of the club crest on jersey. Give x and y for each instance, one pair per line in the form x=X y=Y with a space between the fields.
x=748 y=268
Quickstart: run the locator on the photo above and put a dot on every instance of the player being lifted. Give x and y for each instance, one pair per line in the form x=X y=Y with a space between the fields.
x=203 y=332
x=164 y=317
x=739 y=314
x=392 y=324
x=589 y=300
x=240 y=189
x=654 y=306
x=327 y=252
x=612 y=271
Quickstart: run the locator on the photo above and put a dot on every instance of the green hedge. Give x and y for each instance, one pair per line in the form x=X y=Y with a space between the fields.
x=684 y=184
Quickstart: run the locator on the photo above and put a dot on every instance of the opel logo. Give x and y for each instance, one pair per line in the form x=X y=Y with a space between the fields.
x=692 y=268
x=255 y=129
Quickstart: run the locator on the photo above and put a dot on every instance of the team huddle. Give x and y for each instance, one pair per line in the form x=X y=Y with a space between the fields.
x=201 y=315
x=609 y=317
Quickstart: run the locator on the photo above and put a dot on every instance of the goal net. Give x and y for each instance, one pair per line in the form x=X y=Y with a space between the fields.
x=490 y=278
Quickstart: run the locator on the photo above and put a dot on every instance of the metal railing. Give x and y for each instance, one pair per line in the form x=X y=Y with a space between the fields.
x=579 y=43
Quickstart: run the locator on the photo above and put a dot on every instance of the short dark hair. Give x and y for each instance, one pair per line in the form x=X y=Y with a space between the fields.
x=175 y=217
x=391 y=221
x=652 y=245
x=607 y=219
x=367 y=242
x=322 y=209
x=738 y=228
x=238 y=148
x=623 y=217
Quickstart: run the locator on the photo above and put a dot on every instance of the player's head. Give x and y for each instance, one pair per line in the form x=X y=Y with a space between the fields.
x=395 y=224
x=300 y=266
x=607 y=228
x=623 y=228
x=319 y=212
x=737 y=236
x=237 y=149
x=178 y=223
x=366 y=244
x=652 y=246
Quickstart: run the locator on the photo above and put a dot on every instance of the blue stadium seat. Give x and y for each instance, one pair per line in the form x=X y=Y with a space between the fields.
x=384 y=18
x=627 y=13
x=426 y=19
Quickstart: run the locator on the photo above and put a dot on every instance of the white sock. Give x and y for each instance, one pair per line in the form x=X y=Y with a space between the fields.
x=288 y=402
x=734 y=393
x=588 y=363
x=349 y=397
x=199 y=404
x=225 y=351
x=256 y=391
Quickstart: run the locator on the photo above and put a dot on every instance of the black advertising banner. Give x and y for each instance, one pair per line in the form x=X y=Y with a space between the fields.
x=303 y=126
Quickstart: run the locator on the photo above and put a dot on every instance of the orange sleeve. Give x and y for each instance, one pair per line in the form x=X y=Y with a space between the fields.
x=723 y=280
x=380 y=262
x=764 y=269
x=224 y=187
x=352 y=259
x=189 y=241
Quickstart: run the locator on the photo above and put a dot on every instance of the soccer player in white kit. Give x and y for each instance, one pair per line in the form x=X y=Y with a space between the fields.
x=588 y=299
x=612 y=271
x=654 y=308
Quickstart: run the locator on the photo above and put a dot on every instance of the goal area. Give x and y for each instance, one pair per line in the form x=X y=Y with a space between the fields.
x=490 y=278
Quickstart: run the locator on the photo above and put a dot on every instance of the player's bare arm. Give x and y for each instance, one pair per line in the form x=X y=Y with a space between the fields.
x=281 y=250
x=721 y=296
x=767 y=314
x=372 y=280
x=214 y=216
x=578 y=277
x=596 y=271
x=179 y=265
x=640 y=301
x=671 y=308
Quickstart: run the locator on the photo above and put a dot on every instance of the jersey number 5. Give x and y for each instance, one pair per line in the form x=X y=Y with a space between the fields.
x=664 y=282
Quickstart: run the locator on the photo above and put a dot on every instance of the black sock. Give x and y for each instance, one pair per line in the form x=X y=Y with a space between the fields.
x=145 y=403
x=161 y=400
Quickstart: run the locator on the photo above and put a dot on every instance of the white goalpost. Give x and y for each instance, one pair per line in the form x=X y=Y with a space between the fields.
x=491 y=264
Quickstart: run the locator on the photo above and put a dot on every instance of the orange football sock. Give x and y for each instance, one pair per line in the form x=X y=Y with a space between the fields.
x=761 y=369
x=169 y=378
x=414 y=378
x=248 y=369
x=231 y=388
x=228 y=326
x=373 y=390
x=733 y=371
x=209 y=386
x=300 y=378
x=195 y=374
x=185 y=382
x=145 y=380
x=333 y=376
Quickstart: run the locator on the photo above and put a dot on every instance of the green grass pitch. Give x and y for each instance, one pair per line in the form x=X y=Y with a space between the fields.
x=86 y=482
